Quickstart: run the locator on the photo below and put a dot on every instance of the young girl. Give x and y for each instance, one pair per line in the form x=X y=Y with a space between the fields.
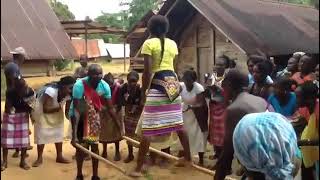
x=130 y=97
x=195 y=114
x=110 y=132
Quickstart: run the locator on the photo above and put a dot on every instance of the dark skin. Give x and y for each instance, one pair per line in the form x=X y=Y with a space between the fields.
x=250 y=66
x=282 y=94
x=305 y=66
x=305 y=100
x=260 y=88
x=220 y=67
x=95 y=76
x=23 y=89
x=200 y=99
x=48 y=108
x=145 y=141
x=132 y=84
x=293 y=65
x=117 y=156
x=18 y=59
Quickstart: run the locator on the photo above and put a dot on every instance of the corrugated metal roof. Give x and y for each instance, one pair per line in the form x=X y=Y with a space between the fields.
x=92 y=45
x=33 y=25
x=252 y=25
x=271 y=27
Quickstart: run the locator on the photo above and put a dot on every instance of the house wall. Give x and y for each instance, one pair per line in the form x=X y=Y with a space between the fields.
x=200 y=44
x=38 y=68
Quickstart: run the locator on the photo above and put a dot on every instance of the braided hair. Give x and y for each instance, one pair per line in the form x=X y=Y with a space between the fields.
x=158 y=26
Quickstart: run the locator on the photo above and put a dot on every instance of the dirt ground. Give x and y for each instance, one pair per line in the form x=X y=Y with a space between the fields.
x=50 y=170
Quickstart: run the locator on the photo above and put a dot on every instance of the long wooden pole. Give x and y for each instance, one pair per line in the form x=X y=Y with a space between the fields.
x=100 y=158
x=207 y=171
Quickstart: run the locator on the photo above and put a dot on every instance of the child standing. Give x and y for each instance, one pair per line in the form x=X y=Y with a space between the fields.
x=110 y=131
x=130 y=97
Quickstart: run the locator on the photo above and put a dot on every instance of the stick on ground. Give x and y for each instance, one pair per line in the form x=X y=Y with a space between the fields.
x=163 y=154
x=100 y=158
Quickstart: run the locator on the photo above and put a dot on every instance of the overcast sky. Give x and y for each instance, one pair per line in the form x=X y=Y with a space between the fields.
x=91 y=8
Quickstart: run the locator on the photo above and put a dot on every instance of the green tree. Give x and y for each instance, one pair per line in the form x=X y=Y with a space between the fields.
x=61 y=10
x=314 y=3
x=138 y=8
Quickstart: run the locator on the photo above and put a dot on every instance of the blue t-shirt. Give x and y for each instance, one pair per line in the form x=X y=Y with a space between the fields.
x=103 y=89
x=286 y=110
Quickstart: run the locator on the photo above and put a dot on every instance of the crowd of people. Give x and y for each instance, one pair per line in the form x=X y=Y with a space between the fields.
x=268 y=118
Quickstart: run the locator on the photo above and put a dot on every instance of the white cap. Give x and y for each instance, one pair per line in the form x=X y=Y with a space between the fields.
x=300 y=53
x=19 y=50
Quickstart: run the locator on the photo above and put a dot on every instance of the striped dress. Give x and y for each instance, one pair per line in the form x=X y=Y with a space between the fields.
x=161 y=116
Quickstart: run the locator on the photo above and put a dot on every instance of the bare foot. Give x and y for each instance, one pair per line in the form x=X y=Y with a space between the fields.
x=24 y=166
x=104 y=155
x=62 y=160
x=87 y=158
x=117 y=156
x=37 y=163
x=201 y=164
x=29 y=148
x=183 y=163
x=129 y=159
x=15 y=154
x=135 y=174
x=4 y=166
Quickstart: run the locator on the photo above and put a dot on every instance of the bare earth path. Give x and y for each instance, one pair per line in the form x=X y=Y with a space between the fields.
x=53 y=171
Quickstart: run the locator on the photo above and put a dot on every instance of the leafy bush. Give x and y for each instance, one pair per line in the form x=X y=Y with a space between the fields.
x=61 y=64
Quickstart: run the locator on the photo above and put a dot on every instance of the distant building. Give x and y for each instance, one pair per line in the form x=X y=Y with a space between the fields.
x=33 y=25
x=116 y=51
x=206 y=29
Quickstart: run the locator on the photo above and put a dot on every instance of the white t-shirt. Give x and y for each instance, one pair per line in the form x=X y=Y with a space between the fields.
x=53 y=93
x=189 y=98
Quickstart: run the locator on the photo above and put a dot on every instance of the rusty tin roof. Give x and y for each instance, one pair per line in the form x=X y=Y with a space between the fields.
x=33 y=25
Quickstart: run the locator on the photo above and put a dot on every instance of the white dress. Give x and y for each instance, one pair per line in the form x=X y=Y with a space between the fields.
x=49 y=128
x=197 y=138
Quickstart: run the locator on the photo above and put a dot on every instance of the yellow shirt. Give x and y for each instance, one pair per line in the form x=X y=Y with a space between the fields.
x=152 y=47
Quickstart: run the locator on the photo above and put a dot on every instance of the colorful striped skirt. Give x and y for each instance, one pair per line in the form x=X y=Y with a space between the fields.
x=161 y=116
x=15 y=131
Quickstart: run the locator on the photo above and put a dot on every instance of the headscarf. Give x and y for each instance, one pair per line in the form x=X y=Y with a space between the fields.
x=266 y=143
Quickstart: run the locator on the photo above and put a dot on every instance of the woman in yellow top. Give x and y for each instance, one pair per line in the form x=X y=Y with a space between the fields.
x=162 y=113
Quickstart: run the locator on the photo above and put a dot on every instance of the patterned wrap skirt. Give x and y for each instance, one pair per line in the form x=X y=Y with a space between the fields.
x=15 y=131
x=161 y=116
x=110 y=130
x=216 y=124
